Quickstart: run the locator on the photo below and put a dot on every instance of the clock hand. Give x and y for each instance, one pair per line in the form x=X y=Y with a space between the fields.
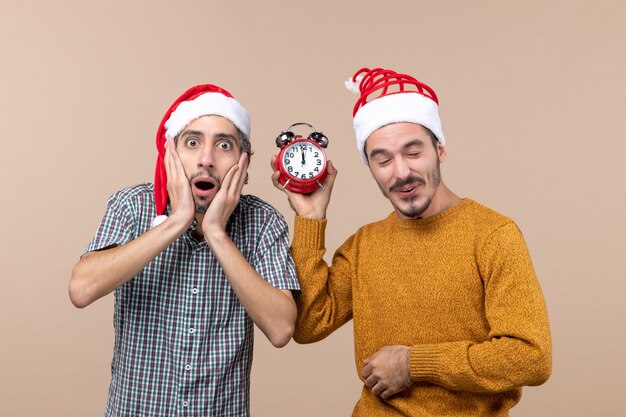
x=303 y=155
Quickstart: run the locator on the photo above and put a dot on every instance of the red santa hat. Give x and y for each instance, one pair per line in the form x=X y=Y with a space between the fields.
x=201 y=100
x=388 y=97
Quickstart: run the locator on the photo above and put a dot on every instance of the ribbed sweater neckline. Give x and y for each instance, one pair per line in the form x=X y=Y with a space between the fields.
x=394 y=220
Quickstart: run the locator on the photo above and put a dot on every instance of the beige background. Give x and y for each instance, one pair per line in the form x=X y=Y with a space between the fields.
x=532 y=101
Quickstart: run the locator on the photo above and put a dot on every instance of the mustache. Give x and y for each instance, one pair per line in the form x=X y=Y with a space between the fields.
x=206 y=173
x=411 y=179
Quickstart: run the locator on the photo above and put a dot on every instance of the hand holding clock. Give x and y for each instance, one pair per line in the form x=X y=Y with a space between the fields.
x=313 y=205
x=311 y=173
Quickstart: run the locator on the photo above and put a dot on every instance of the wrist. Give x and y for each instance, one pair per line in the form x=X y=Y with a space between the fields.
x=214 y=235
x=313 y=215
x=179 y=221
x=407 y=363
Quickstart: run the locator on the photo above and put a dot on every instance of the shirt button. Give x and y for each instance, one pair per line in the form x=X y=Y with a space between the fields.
x=194 y=291
x=185 y=403
x=191 y=330
x=188 y=367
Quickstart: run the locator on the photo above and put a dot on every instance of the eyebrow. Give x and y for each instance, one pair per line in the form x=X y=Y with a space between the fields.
x=220 y=135
x=382 y=151
x=191 y=132
x=227 y=136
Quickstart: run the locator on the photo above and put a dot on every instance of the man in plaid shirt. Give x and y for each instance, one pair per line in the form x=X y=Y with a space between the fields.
x=193 y=264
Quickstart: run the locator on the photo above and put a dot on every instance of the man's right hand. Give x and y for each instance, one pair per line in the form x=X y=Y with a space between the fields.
x=100 y=272
x=313 y=205
x=178 y=188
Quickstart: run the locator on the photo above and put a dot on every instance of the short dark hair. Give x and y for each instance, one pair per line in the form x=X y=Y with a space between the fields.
x=244 y=142
x=433 y=138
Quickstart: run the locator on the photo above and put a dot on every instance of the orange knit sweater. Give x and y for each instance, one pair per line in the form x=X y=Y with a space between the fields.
x=458 y=287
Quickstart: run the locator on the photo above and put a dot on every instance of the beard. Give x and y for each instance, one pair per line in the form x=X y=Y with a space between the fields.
x=202 y=208
x=410 y=210
x=415 y=212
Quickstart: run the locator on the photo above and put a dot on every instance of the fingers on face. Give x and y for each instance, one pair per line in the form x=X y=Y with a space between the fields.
x=235 y=178
x=170 y=148
x=228 y=178
x=244 y=162
x=169 y=168
x=172 y=160
x=239 y=176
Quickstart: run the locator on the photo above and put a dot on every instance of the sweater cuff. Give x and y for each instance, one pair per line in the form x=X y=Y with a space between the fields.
x=425 y=362
x=309 y=233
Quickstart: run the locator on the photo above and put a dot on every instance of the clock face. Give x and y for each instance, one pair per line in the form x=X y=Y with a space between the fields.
x=303 y=160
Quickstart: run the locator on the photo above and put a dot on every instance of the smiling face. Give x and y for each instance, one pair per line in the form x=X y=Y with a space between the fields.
x=405 y=163
x=208 y=147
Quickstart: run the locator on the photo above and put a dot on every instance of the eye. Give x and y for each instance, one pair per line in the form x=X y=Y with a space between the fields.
x=225 y=145
x=191 y=142
x=413 y=151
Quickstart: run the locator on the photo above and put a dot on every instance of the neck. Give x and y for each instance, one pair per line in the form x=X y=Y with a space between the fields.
x=443 y=199
x=198 y=232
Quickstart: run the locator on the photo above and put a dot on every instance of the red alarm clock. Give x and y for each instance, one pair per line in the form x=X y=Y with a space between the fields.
x=301 y=161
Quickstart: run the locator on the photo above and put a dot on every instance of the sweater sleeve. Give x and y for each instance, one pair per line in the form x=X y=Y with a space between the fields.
x=517 y=350
x=325 y=302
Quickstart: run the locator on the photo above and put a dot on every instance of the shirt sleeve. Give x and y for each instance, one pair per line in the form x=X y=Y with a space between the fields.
x=274 y=261
x=117 y=227
x=517 y=351
x=326 y=300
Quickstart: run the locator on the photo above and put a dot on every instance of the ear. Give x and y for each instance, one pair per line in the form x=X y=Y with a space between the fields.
x=441 y=151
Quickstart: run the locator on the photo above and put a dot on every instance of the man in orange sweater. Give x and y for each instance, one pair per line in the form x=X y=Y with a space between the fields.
x=449 y=318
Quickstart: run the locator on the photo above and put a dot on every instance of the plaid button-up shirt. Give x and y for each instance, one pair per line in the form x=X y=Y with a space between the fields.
x=183 y=341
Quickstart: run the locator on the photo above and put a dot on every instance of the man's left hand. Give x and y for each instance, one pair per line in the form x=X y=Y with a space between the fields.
x=387 y=372
x=226 y=199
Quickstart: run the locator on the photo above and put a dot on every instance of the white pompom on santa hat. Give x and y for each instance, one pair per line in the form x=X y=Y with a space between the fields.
x=200 y=100
x=388 y=97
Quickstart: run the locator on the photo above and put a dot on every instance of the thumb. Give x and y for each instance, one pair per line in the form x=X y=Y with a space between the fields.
x=332 y=175
x=331 y=168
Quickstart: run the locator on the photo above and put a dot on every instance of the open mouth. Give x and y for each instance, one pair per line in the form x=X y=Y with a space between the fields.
x=407 y=188
x=204 y=185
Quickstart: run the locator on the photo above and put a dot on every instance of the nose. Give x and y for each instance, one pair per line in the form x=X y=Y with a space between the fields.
x=205 y=158
x=401 y=168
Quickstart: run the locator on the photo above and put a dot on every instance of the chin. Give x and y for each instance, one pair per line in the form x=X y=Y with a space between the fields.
x=202 y=206
x=412 y=211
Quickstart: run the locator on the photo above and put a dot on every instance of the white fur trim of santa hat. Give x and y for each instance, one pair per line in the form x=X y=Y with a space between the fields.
x=207 y=104
x=395 y=108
